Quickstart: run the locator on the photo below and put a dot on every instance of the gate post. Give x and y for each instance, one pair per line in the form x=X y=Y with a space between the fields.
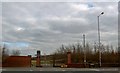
x=69 y=57
x=30 y=59
x=38 y=59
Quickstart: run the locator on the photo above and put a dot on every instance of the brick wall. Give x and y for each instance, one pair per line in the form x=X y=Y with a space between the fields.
x=17 y=61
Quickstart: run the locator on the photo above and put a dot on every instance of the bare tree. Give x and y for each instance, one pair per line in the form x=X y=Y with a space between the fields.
x=5 y=52
x=78 y=53
x=0 y=54
x=15 y=52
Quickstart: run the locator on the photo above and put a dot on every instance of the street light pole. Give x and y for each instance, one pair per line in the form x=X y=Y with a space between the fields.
x=99 y=38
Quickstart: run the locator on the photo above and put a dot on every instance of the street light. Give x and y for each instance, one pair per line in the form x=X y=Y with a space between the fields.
x=99 y=38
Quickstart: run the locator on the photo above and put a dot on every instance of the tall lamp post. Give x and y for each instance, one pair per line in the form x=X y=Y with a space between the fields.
x=99 y=38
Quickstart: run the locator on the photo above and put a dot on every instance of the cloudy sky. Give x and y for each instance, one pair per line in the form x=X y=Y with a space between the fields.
x=45 y=26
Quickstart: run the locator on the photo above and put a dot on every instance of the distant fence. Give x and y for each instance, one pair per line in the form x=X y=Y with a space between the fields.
x=17 y=61
x=0 y=64
x=92 y=65
x=110 y=65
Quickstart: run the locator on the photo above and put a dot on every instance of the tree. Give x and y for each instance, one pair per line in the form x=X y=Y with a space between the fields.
x=0 y=54
x=15 y=52
x=5 y=52
x=77 y=53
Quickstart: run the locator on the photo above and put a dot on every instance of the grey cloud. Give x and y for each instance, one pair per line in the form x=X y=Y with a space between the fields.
x=46 y=26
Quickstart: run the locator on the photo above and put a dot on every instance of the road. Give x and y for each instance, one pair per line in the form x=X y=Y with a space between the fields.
x=60 y=70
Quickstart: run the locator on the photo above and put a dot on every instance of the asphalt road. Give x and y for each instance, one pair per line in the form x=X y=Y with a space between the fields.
x=60 y=70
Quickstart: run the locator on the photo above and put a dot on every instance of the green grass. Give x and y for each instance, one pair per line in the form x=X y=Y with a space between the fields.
x=33 y=62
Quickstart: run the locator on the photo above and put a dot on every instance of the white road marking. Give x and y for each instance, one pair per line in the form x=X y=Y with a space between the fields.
x=3 y=69
x=31 y=70
x=95 y=69
x=63 y=70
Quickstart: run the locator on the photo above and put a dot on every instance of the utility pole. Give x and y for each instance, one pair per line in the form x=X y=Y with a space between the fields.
x=84 y=50
x=45 y=59
x=54 y=55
